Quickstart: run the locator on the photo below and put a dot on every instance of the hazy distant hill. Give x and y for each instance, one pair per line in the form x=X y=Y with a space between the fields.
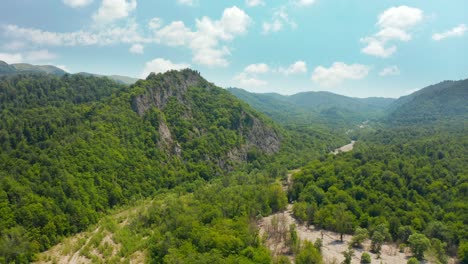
x=15 y=68
x=118 y=78
x=444 y=101
x=316 y=107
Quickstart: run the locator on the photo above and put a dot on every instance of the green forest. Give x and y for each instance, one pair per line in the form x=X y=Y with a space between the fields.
x=75 y=148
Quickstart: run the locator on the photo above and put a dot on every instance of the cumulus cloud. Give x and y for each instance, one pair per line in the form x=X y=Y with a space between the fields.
x=205 y=41
x=253 y=3
x=107 y=36
x=395 y=24
x=208 y=41
x=111 y=10
x=390 y=70
x=245 y=80
x=257 y=68
x=339 y=72
x=160 y=65
x=11 y=57
x=136 y=49
x=33 y=56
x=279 y=20
x=77 y=3
x=457 y=31
x=295 y=68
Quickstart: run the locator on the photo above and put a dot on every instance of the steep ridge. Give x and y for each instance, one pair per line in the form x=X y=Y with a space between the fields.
x=74 y=146
x=439 y=102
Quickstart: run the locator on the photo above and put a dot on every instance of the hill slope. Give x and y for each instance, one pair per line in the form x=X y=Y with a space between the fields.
x=443 y=101
x=17 y=68
x=74 y=146
x=315 y=107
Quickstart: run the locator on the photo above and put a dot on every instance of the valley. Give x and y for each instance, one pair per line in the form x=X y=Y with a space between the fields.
x=174 y=169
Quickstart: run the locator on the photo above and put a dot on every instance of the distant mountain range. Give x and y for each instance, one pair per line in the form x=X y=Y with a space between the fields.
x=22 y=68
x=315 y=107
x=439 y=102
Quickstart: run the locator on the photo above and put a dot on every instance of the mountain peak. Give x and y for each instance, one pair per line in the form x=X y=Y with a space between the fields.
x=162 y=86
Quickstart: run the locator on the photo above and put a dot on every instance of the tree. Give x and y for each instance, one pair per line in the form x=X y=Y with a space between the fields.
x=360 y=235
x=348 y=254
x=365 y=258
x=412 y=261
x=379 y=236
x=308 y=255
x=438 y=247
x=343 y=220
x=419 y=243
x=463 y=252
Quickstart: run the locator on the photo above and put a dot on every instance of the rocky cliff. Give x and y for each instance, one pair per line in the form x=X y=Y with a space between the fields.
x=197 y=117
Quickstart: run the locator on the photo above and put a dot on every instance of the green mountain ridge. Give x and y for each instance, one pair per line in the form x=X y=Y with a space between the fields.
x=443 y=101
x=74 y=146
x=324 y=108
x=26 y=68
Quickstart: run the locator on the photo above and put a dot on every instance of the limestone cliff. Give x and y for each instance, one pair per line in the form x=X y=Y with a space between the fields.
x=197 y=117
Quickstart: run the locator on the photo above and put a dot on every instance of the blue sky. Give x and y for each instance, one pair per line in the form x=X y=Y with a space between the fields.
x=357 y=48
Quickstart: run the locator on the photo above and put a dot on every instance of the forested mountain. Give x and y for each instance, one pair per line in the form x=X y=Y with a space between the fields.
x=118 y=78
x=74 y=146
x=25 y=68
x=406 y=178
x=17 y=68
x=440 y=102
x=317 y=107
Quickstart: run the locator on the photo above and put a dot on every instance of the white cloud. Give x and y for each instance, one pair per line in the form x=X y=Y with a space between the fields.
x=77 y=3
x=208 y=41
x=39 y=56
x=244 y=80
x=136 y=49
x=377 y=48
x=11 y=57
x=279 y=19
x=185 y=2
x=111 y=10
x=257 y=68
x=338 y=72
x=304 y=2
x=394 y=24
x=400 y=17
x=389 y=71
x=295 y=68
x=32 y=56
x=253 y=3
x=205 y=41
x=160 y=65
x=174 y=34
x=155 y=23
x=457 y=31
x=103 y=36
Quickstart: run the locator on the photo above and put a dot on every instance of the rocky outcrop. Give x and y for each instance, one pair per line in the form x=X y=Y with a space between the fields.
x=178 y=124
x=170 y=84
x=263 y=137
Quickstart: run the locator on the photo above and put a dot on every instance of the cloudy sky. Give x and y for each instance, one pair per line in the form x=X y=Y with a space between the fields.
x=353 y=47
